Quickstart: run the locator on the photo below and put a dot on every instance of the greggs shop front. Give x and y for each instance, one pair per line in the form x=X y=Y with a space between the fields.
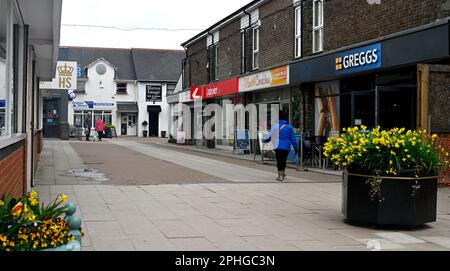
x=382 y=82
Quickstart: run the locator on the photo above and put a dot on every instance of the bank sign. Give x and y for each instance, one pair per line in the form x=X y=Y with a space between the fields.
x=93 y=105
x=360 y=59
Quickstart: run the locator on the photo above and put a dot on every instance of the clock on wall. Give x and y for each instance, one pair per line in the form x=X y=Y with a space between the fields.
x=101 y=69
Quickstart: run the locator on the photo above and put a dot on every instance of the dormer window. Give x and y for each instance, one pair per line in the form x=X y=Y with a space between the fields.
x=121 y=88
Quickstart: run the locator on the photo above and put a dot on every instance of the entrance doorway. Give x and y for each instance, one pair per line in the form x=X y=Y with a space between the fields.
x=396 y=107
x=153 y=124
x=128 y=124
x=52 y=116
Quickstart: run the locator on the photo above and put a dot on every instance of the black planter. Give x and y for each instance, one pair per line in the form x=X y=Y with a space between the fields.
x=397 y=208
x=108 y=133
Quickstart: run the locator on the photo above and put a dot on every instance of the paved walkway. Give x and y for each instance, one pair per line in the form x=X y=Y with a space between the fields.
x=244 y=209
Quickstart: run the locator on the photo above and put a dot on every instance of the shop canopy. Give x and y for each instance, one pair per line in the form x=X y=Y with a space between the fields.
x=130 y=107
x=154 y=109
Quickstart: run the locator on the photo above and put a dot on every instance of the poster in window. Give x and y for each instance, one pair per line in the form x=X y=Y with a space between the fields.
x=327 y=121
x=154 y=93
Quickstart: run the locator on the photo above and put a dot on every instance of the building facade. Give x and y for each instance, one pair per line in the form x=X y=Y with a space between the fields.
x=330 y=64
x=125 y=87
x=29 y=42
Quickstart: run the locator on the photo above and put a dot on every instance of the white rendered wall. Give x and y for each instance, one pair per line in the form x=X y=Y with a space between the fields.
x=143 y=113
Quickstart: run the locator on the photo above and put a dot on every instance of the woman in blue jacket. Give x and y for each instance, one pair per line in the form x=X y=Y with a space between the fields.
x=283 y=135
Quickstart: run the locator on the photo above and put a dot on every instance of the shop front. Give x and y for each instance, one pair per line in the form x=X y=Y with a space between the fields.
x=127 y=113
x=104 y=110
x=371 y=84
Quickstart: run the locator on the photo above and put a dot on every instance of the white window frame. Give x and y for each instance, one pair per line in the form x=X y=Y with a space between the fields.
x=318 y=29
x=298 y=31
x=255 y=48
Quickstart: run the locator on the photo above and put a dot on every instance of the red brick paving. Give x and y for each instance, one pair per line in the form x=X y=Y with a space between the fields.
x=127 y=167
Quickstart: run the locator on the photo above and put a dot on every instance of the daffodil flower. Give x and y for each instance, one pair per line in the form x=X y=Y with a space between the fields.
x=62 y=198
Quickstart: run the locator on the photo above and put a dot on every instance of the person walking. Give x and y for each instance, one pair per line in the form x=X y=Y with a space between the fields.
x=283 y=136
x=88 y=125
x=100 y=128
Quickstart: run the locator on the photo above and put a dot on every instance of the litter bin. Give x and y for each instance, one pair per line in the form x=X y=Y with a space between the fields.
x=145 y=133
x=163 y=134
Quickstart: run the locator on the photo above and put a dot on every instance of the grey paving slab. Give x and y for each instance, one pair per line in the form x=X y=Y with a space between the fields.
x=176 y=229
x=241 y=215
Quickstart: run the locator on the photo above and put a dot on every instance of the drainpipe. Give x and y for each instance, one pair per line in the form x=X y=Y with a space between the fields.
x=183 y=69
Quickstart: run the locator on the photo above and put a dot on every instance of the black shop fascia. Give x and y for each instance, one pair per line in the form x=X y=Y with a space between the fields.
x=371 y=83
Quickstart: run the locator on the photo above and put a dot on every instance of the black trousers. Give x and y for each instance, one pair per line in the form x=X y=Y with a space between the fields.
x=281 y=156
x=100 y=135
x=87 y=131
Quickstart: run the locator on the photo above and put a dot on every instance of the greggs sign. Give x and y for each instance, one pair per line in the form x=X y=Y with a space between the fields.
x=360 y=59
x=218 y=89
x=266 y=79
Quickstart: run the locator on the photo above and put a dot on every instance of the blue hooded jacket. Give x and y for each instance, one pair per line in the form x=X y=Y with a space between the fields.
x=284 y=137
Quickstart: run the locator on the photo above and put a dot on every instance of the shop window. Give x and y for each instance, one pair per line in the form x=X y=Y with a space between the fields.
x=298 y=31
x=255 y=53
x=79 y=117
x=317 y=26
x=121 y=88
x=78 y=120
x=9 y=68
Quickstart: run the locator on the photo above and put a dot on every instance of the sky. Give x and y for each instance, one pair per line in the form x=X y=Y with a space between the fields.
x=190 y=17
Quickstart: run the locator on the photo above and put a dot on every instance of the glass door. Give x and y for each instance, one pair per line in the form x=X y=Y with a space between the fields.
x=396 y=107
x=363 y=108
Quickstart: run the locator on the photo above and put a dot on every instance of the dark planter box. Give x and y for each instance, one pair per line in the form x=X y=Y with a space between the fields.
x=398 y=207
x=108 y=133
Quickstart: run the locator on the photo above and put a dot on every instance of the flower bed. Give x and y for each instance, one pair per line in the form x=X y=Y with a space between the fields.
x=27 y=226
x=390 y=176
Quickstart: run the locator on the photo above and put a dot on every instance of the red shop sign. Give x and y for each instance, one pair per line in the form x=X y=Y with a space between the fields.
x=196 y=93
x=223 y=88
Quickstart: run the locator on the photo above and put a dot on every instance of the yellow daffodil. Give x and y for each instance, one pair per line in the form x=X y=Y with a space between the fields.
x=62 y=198
x=1 y=202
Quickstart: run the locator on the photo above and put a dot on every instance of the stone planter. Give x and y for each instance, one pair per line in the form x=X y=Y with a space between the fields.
x=397 y=207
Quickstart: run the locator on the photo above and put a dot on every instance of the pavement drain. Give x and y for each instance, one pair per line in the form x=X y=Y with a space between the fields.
x=90 y=173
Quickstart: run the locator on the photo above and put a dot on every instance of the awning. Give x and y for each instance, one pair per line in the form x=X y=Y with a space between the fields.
x=130 y=107
x=154 y=108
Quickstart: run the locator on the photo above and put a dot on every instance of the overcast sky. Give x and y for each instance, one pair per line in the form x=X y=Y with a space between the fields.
x=195 y=15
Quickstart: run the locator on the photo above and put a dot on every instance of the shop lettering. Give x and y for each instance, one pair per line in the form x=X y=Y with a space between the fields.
x=212 y=91
x=361 y=59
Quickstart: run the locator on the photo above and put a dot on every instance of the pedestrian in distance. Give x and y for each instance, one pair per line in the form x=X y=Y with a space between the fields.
x=88 y=125
x=99 y=128
x=283 y=136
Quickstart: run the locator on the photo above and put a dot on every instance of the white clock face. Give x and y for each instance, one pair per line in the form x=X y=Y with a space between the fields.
x=72 y=95
x=101 y=69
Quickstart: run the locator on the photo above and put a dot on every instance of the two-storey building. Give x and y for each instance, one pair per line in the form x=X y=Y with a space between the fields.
x=125 y=87
x=329 y=64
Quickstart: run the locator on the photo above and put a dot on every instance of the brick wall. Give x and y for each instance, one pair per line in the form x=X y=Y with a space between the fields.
x=345 y=23
x=197 y=61
x=12 y=173
x=444 y=141
x=348 y=22
x=276 y=32
x=229 y=58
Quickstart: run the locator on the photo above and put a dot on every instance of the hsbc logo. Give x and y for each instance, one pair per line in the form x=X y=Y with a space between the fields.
x=196 y=93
